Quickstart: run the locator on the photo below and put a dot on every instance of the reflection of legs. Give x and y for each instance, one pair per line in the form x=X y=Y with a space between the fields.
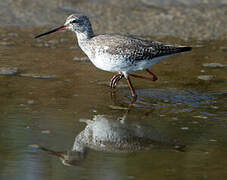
x=115 y=80
x=133 y=92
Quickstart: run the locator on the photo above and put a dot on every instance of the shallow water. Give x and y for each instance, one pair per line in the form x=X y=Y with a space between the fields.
x=45 y=107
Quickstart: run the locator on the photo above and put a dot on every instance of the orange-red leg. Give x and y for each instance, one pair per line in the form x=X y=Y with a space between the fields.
x=133 y=92
x=154 y=76
x=115 y=79
x=118 y=77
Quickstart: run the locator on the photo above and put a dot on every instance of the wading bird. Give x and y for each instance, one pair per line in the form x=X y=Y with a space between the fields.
x=117 y=53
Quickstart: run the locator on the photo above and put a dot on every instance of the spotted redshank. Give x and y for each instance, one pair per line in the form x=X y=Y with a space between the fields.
x=117 y=53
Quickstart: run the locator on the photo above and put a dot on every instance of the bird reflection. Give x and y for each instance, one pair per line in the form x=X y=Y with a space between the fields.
x=106 y=134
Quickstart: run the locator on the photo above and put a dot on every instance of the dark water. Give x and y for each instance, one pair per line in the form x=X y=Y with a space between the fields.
x=60 y=120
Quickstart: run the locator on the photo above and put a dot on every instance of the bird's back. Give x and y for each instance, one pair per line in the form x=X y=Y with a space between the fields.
x=118 y=53
x=135 y=47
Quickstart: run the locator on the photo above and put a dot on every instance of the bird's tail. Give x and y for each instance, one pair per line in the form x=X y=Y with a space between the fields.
x=184 y=49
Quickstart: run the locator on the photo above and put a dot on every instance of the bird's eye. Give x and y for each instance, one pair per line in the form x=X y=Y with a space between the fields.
x=74 y=21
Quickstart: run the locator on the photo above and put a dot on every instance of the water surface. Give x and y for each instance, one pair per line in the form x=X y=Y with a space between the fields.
x=60 y=120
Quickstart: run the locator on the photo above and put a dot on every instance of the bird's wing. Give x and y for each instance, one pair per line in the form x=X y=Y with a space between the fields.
x=135 y=48
x=147 y=49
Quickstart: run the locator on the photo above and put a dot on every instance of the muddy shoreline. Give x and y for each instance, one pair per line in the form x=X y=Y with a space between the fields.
x=201 y=20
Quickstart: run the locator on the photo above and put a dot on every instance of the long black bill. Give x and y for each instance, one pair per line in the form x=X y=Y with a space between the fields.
x=54 y=30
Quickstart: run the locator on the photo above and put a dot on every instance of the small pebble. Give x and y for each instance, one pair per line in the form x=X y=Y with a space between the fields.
x=214 y=107
x=45 y=131
x=30 y=102
x=8 y=70
x=68 y=80
x=64 y=40
x=38 y=76
x=202 y=71
x=213 y=65
x=12 y=34
x=206 y=77
x=3 y=43
x=202 y=117
x=162 y=115
x=118 y=107
x=46 y=45
x=53 y=42
x=212 y=140
x=195 y=122
x=36 y=146
x=82 y=59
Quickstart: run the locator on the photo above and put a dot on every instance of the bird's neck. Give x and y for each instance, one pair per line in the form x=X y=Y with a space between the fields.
x=81 y=36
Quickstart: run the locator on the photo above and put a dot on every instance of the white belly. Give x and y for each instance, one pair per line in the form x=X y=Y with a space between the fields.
x=118 y=63
x=121 y=64
x=110 y=63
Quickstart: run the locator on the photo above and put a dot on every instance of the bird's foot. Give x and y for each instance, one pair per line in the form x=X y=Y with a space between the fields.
x=115 y=80
x=155 y=78
x=133 y=100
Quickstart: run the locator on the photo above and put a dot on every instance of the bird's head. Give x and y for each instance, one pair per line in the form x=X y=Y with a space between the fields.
x=77 y=23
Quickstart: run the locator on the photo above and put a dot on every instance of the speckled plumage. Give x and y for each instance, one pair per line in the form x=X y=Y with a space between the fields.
x=118 y=53
x=126 y=54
